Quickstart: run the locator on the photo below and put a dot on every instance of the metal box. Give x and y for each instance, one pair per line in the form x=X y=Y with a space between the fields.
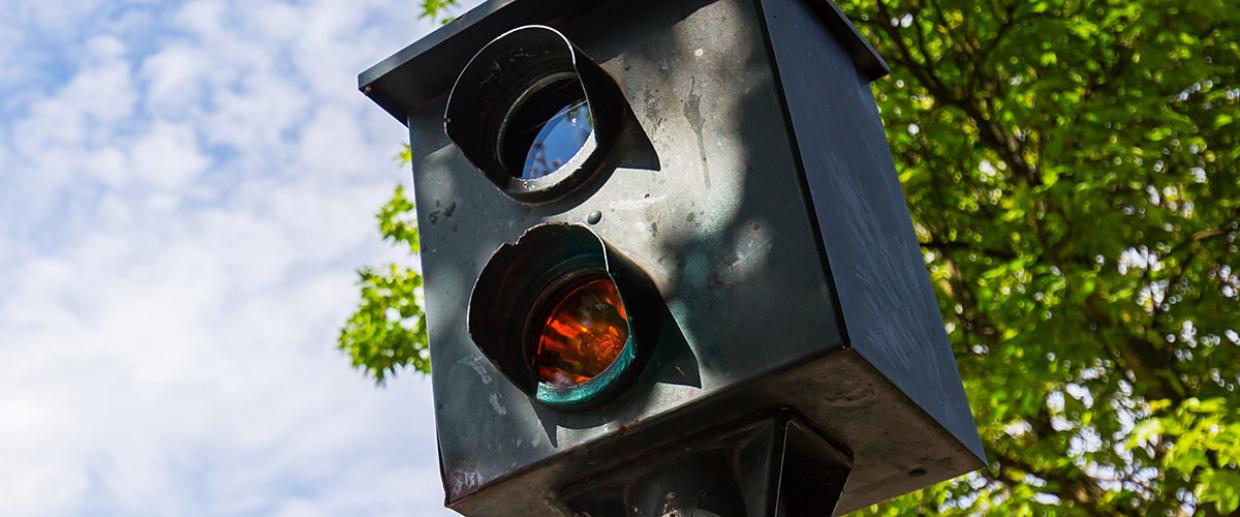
x=765 y=209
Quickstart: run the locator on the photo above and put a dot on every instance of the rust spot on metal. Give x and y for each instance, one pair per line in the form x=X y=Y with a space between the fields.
x=462 y=479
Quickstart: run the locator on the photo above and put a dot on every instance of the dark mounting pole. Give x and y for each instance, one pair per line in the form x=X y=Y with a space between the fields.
x=768 y=465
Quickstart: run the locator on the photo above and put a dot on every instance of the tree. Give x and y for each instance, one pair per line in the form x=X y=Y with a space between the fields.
x=1071 y=168
x=387 y=331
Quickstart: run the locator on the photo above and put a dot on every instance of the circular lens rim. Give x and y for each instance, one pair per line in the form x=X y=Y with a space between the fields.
x=503 y=135
x=562 y=179
x=599 y=386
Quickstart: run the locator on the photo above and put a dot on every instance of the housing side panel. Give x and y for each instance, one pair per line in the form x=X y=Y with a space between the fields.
x=890 y=314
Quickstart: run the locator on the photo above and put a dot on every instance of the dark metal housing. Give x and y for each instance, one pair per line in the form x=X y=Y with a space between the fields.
x=755 y=189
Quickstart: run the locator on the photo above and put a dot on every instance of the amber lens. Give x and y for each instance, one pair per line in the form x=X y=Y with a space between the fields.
x=582 y=335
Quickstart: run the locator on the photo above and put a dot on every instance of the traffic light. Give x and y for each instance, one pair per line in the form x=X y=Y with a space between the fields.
x=668 y=263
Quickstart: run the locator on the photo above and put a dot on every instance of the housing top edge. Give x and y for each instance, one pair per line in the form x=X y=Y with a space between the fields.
x=423 y=70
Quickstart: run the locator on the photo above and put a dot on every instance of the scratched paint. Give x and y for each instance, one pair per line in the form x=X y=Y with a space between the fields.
x=496 y=405
x=693 y=114
x=475 y=363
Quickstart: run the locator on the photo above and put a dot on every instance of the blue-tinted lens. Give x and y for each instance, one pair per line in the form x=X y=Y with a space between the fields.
x=546 y=129
x=558 y=140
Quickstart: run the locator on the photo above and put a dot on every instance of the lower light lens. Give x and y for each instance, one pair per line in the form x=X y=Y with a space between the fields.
x=582 y=335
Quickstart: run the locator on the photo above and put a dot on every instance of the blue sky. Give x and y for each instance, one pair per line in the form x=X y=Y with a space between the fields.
x=185 y=191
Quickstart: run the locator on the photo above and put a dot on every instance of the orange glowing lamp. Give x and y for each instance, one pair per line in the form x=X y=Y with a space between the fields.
x=583 y=334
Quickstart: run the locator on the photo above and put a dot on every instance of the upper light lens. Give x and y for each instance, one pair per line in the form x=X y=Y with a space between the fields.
x=546 y=130
x=582 y=335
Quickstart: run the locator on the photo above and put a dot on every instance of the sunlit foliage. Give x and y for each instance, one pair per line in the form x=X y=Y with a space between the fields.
x=1071 y=167
x=387 y=332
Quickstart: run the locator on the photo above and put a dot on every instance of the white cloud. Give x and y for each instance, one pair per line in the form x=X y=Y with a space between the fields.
x=184 y=193
x=168 y=156
x=175 y=78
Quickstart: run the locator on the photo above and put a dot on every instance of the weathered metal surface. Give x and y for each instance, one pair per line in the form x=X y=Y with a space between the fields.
x=712 y=195
x=876 y=264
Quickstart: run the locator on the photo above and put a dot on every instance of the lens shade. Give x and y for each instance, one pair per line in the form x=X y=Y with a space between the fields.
x=535 y=115
x=583 y=334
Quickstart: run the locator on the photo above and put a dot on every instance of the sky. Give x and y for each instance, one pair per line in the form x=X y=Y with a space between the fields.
x=186 y=190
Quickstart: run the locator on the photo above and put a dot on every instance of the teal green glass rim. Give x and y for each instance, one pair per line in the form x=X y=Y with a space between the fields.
x=599 y=388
